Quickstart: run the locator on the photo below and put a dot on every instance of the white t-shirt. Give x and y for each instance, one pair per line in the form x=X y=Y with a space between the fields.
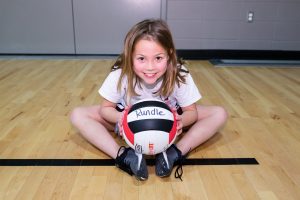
x=182 y=96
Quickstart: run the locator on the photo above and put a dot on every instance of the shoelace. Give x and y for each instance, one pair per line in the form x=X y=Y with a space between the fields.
x=179 y=169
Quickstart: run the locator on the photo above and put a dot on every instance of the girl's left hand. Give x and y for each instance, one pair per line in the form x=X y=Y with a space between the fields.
x=179 y=124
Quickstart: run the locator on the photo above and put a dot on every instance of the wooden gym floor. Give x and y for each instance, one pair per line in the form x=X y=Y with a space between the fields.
x=37 y=97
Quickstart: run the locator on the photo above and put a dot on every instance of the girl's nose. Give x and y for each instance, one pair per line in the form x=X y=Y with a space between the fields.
x=150 y=66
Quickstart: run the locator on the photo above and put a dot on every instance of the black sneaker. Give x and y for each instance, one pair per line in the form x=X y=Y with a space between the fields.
x=132 y=163
x=165 y=161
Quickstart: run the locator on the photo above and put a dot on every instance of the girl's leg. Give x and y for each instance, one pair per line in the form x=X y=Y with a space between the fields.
x=95 y=129
x=210 y=120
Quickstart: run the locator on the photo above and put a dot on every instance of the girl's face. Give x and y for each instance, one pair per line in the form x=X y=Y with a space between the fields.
x=149 y=60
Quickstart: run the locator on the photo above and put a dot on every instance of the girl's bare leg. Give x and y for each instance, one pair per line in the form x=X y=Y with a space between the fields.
x=210 y=120
x=95 y=129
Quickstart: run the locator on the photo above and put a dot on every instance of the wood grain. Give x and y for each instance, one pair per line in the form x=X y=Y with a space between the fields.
x=263 y=105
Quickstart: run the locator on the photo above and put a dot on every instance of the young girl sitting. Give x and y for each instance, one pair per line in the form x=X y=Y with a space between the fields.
x=148 y=68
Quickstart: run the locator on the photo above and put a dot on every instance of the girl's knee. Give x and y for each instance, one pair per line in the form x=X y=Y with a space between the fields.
x=81 y=115
x=220 y=114
x=76 y=115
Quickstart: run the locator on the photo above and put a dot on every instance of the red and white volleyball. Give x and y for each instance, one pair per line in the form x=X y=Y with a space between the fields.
x=149 y=126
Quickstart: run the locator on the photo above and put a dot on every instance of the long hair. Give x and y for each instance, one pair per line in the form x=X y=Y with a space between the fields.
x=158 y=31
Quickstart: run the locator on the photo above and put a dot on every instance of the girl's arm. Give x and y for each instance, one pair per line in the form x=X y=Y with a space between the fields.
x=189 y=115
x=109 y=113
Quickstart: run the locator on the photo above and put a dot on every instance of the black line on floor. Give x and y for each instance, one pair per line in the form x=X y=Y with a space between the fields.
x=111 y=162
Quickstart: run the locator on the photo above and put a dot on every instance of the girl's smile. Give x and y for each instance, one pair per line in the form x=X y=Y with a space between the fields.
x=149 y=60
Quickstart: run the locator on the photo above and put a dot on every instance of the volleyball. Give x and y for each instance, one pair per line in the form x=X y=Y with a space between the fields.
x=149 y=126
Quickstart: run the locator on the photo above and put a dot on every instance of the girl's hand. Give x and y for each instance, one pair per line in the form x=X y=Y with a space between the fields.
x=120 y=122
x=179 y=124
x=178 y=119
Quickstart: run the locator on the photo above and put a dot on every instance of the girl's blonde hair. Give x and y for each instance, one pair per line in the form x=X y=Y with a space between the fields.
x=158 y=31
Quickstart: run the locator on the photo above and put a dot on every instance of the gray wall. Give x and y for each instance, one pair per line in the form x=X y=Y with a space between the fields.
x=36 y=26
x=222 y=24
x=99 y=26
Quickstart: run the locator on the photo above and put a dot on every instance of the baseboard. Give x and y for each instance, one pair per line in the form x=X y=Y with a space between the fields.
x=252 y=62
x=238 y=54
x=193 y=54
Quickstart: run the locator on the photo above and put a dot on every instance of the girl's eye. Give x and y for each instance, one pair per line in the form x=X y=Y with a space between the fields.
x=159 y=58
x=141 y=58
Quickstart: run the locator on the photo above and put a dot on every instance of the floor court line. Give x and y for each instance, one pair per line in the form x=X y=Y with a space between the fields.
x=111 y=162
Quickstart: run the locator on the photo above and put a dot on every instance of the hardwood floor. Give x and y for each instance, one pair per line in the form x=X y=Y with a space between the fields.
x=37 y=97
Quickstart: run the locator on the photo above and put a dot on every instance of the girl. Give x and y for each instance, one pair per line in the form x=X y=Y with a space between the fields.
x=148 y=68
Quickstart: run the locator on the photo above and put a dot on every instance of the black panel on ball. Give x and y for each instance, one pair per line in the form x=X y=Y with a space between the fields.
x=151 y=124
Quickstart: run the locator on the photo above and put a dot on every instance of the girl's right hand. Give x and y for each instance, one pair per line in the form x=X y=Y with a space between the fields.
x=120 y=122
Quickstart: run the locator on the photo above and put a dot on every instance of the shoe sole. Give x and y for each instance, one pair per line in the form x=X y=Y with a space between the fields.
x=141 y=178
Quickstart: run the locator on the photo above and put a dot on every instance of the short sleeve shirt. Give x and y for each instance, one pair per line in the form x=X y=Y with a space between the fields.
x=183 y=95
